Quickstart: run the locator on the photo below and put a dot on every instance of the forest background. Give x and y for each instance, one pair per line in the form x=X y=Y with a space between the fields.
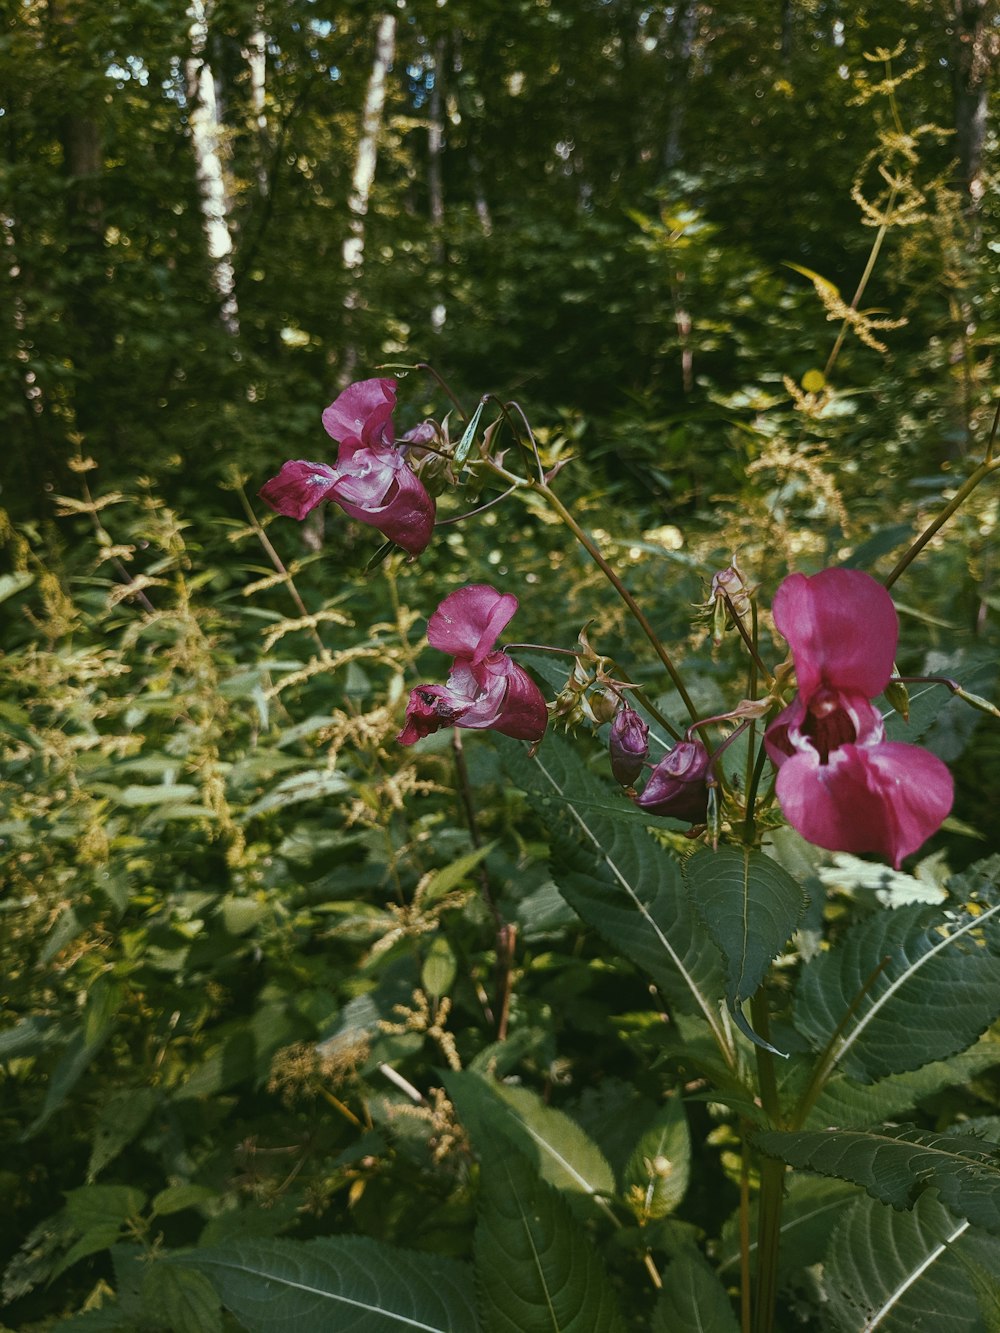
x=738 y=260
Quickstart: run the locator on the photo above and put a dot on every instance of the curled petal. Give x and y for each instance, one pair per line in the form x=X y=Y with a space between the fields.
x=362 y=413
x=469 y=621
x=405 y=515
x=841 y=627
x=524 y=714
x=677 y=785
x=430 y=708
x=886 y=798
x=299 y=487
x=502 y=697
x=628 y=745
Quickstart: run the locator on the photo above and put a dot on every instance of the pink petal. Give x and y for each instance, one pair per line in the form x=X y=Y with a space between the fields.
x=628 y=745
x=469 y=621
x=430 y=708
x=406 y=514
x=886 y=798
x=524 y=714
x=299 y=487
x=346 y=417
x=677 y=785
x=841 y=627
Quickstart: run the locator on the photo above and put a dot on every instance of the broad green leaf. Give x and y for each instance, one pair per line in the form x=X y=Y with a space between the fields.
x=96 y=1205
x=536 y=1269
x=80 y=1050
x=440 y=967
x=811 y=1208
x=693 y=1300
x=562 y=1153
x=624 y=884
x=895 y=1163
x=177 y=1197
x=923 y=987
x=897 y=1272
x=749 y=906
x=184 y=1299
x=656 y=1178
x=342 y=1284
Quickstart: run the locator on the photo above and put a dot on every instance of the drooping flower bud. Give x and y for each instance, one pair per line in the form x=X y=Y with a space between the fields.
x=628 y=745
x=677 y=785
x=729 y=596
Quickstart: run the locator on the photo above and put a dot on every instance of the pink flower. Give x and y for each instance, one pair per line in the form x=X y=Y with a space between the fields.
x=628 y=745
x=678 y=784
x=840 y=782
x=485 y=688
x=371 y=482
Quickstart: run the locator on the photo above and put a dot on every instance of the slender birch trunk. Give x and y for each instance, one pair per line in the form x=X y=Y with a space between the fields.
x=255 y=54
x=203 y=119
x=363 y=178
x=435 y=188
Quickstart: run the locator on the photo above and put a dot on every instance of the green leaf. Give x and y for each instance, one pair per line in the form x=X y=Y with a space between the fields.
x=902 y=1271
x=536 y=1270
x=451 y=876
x=624 y=884
x=440 y=967
x=693 y=1300
x=563 y=1154
x=175 y=1198
x=657 y=1175
x=811 y=1208
x=342 y=1284
x=121 y=1119
x=922 y=987
x=468 y=435
x=182 y=1297
x=162 y=793
x=750 y=906
x=894 y=1164
x=312 y=786
x=11 y=584
x=98 y=1205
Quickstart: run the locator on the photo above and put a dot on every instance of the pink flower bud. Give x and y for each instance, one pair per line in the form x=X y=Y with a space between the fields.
x=628 y=745
x=677 y=785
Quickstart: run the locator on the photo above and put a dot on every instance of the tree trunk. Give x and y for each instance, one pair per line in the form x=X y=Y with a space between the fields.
x=435 y=189
x=363 y=178
x=203 y=121
x=974 y=55
x=685 y=27
x=255 y=54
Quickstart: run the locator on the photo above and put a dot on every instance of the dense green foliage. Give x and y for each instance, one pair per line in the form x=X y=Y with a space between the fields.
x=304 y=1030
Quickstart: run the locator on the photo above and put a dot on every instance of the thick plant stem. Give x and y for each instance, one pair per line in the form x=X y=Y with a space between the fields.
x=772 y=1180
x=623 y=592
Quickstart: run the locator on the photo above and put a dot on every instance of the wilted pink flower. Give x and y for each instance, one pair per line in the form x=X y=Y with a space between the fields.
x=371 y=481
x=485 y=688
x=840 y=782
x=628 y=745
x=678 y=784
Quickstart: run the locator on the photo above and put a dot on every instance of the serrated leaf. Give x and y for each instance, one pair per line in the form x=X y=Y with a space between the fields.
x=693 y=1300
x=930 y=983
x=342 y=1284
x=536 y=1270
x=177 y=1197
x=563 y=1153
x=181 y=1297
x=897 y=1272
x=625 y=885
x=97 y=1205
x=657 y=1175
x=895 y=1163
x=749 y=906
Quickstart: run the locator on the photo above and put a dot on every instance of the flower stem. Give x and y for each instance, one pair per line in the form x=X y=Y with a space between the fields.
x=988 y=465
x=609 y=573
x=772 y=1179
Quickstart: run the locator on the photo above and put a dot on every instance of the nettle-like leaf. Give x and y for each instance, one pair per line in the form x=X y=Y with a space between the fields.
x=536 y=1269
x=749 y=906
x=656 y=1177
x=342 y=1284
x=919 y=986
x=895 y=1163
x=563 y=1154
x=622 y=882
x=693 y=1299
x=896 y=1272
